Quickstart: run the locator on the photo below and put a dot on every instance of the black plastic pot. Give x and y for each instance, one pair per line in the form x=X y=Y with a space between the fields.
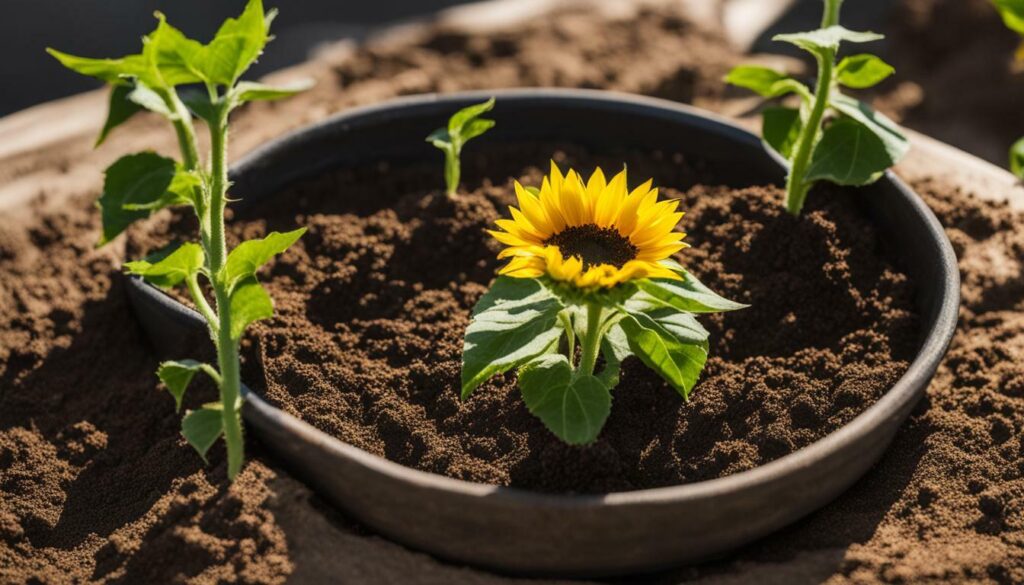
x=618 y=533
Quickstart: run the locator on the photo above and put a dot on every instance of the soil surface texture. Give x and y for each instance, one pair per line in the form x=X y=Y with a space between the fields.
x=374 y=301
x=96 y=486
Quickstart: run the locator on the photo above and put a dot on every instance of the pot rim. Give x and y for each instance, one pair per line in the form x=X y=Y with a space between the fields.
x=933 y=347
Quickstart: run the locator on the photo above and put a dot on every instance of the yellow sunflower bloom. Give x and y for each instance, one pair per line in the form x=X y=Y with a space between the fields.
x=595 y=234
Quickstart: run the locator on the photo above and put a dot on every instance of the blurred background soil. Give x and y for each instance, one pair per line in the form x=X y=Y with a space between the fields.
x=97 y=486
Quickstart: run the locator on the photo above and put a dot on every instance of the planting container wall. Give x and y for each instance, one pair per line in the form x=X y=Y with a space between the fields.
x=618 y=533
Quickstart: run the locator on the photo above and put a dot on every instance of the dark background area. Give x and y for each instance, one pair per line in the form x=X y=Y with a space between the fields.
x=112 y=28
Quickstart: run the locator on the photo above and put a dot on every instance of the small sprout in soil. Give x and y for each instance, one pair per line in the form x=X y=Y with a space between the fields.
x=139 y=184
x=1012 y=12
x=462 y=126
x=589 y=262
x=831 y=136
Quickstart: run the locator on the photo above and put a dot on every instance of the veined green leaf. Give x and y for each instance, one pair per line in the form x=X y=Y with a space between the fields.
x=166 y=271
x=249 y=256
x=575 y=410
x=249 y=303
x=688 y=294
x=475 y=128
x=183 y=190
x=780 y=129
x=828 y=38
x=862 y=71
x=235 y=47
x=514 y=322
x=248 y=91
x=133 y=179
x=849 y=153
x=119 y=111
x=169 y=56
x=892 y=137
x=113 y=71
x=1017 y=158
x=178 y=374
x=678 y=363
x=201 y=429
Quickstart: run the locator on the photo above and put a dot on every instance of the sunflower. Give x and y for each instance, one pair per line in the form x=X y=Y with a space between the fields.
x=594 y=235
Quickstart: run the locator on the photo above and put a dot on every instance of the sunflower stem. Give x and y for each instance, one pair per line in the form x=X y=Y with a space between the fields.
x=591 y=342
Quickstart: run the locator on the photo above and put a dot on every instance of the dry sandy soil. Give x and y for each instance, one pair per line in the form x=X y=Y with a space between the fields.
x=96 y=485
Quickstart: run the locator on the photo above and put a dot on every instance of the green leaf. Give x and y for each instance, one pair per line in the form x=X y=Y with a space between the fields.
x=169 y=56
x=780 y=129
x=198 y=102
x=249 y=256
x=1012 y=12
x=201 y=429
x=177 y=375
x=614 y=349
x=113 y=71
x=862 y=71
x=575 y=410
x=765 y=81
x=132 y=179
x=827 y=39
x=248 y=91
x=896 y=144
x=680 y=364
x=120 y=110
x=1017 y=158
x=249 y=303
x=475 y=128
x=848 y=153
x=687 y=294
x=145 y=97
x=183 y=190
x=457 y=123
x=235 y=47
x=169 y=270
x=514 y=322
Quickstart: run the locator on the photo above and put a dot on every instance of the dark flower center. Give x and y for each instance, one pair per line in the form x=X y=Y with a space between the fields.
x=593 y=245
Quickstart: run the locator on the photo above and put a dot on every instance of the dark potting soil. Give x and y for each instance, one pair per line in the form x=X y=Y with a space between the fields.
x=374 y=301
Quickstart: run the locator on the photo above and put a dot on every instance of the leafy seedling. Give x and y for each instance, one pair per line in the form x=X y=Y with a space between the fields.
x=463 y=126
x=137 y=185
x=830 y=137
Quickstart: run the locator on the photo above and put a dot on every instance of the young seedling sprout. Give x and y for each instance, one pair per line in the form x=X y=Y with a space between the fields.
x=1012 y=12
x=589 y=262
x=139 y=184
x=831 y=136
x=462 y=126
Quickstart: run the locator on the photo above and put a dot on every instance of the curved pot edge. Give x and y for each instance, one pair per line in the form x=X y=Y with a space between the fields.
x=923 y=367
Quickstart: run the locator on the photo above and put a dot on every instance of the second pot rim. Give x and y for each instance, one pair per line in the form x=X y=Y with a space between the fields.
x=935 y=340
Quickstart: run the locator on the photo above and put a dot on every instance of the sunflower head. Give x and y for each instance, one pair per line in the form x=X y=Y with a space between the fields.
x=593 y=234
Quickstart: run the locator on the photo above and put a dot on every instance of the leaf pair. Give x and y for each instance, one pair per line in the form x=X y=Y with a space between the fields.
x=520 y=323
x=201 y=428
x=464 y=125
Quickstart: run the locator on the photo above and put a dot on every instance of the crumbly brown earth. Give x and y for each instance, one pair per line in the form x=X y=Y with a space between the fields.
x=374 y=301
x=96 y=487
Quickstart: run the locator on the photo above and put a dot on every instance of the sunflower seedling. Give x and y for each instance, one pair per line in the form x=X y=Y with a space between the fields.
x=590 y=262
x=464 y=125
x=831 y=136
x=1012 y=12
x=139 y=184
